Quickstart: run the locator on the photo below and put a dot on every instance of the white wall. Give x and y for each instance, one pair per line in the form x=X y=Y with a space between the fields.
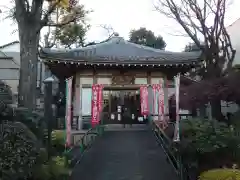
x=234 y=33
x=10 y=68
x=9 y=73
x=13 y=50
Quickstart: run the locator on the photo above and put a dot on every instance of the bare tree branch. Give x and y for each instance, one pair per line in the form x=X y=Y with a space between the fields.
x=109 y=30
x=204 y=18
x=175 y=32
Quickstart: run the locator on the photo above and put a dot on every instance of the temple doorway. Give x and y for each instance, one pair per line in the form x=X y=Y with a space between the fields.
x=121 y=107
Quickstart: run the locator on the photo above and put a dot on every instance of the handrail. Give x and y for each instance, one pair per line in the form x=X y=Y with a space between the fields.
x=164 y=141
x=85 y=143
x=171 y=152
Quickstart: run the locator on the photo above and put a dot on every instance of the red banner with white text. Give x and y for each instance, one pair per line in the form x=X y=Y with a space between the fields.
x=144 y=100
x=95 y=105
x=100 y=101
x=97 y=90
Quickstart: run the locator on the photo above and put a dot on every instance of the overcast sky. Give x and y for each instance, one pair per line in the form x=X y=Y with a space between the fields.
x=122 y=16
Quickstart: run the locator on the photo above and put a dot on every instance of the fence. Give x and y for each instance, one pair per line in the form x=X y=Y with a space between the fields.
x=75 y=153
x=171 y=151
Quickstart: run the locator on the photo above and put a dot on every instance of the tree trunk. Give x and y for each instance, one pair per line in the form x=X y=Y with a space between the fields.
x=194 y=112
x=29 y=39
x=215 y=72
x=216 y=110
x=202 y=111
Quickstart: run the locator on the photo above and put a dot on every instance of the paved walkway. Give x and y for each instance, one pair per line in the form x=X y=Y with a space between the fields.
x=124 y=155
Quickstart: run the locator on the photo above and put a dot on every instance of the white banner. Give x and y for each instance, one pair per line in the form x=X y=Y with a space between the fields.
x=161 y=101
x=68 y=110
x=177 y=124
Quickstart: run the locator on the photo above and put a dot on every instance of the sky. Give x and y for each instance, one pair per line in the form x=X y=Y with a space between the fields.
x=123 y=16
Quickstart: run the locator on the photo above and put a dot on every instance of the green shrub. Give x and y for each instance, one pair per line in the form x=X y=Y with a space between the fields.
x=58 y=167
x=220 y=174
x=234 y=119
x=205 y=136
x=58 y=140
x=5 y=94
x=6 y=111
x=19 y=151
x=33 y=120
x=204 y=141
x=55 y=169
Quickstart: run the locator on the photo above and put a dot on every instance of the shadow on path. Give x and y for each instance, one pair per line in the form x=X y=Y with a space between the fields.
x=124 y=155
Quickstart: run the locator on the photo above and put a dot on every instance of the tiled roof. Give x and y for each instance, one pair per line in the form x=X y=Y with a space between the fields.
x=119 y=50
x=9 y=44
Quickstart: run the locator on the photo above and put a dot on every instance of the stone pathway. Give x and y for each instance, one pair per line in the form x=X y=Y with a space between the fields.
x=124 y=155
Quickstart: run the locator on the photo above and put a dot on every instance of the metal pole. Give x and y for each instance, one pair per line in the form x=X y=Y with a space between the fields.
x=48 y=113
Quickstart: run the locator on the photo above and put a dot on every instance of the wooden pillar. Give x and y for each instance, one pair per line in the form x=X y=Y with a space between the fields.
x=166 y=102
x=150 y=96
x=76 y=99
x=94 y=76
x=148 y=77
x=48 y=116
x=109 y=102
x=80 y=123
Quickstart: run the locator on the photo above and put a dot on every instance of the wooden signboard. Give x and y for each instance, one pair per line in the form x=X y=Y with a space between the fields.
x=123 y=79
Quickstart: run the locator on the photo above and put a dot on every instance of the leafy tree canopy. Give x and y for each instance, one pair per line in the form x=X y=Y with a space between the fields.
x=72 y=33
x=146 y=37
x=31 y=16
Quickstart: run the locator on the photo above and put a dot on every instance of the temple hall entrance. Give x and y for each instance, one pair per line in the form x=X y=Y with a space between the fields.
x=121 y=106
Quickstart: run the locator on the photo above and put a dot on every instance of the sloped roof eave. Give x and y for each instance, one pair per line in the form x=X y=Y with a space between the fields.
x=119 y=51
x=107 y=60
x=9 y=44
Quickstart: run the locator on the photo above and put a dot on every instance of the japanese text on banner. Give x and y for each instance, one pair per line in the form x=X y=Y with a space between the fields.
x=99 y=102
x=94 y=104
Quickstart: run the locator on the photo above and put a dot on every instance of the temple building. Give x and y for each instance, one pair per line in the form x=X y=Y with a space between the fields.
x=121 y=67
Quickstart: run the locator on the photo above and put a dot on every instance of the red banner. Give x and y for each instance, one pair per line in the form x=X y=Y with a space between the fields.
x=95 y=105
x=161 y=106
x=100 y=99
x=154 y=99
x=97 y=90
x=144 y=100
